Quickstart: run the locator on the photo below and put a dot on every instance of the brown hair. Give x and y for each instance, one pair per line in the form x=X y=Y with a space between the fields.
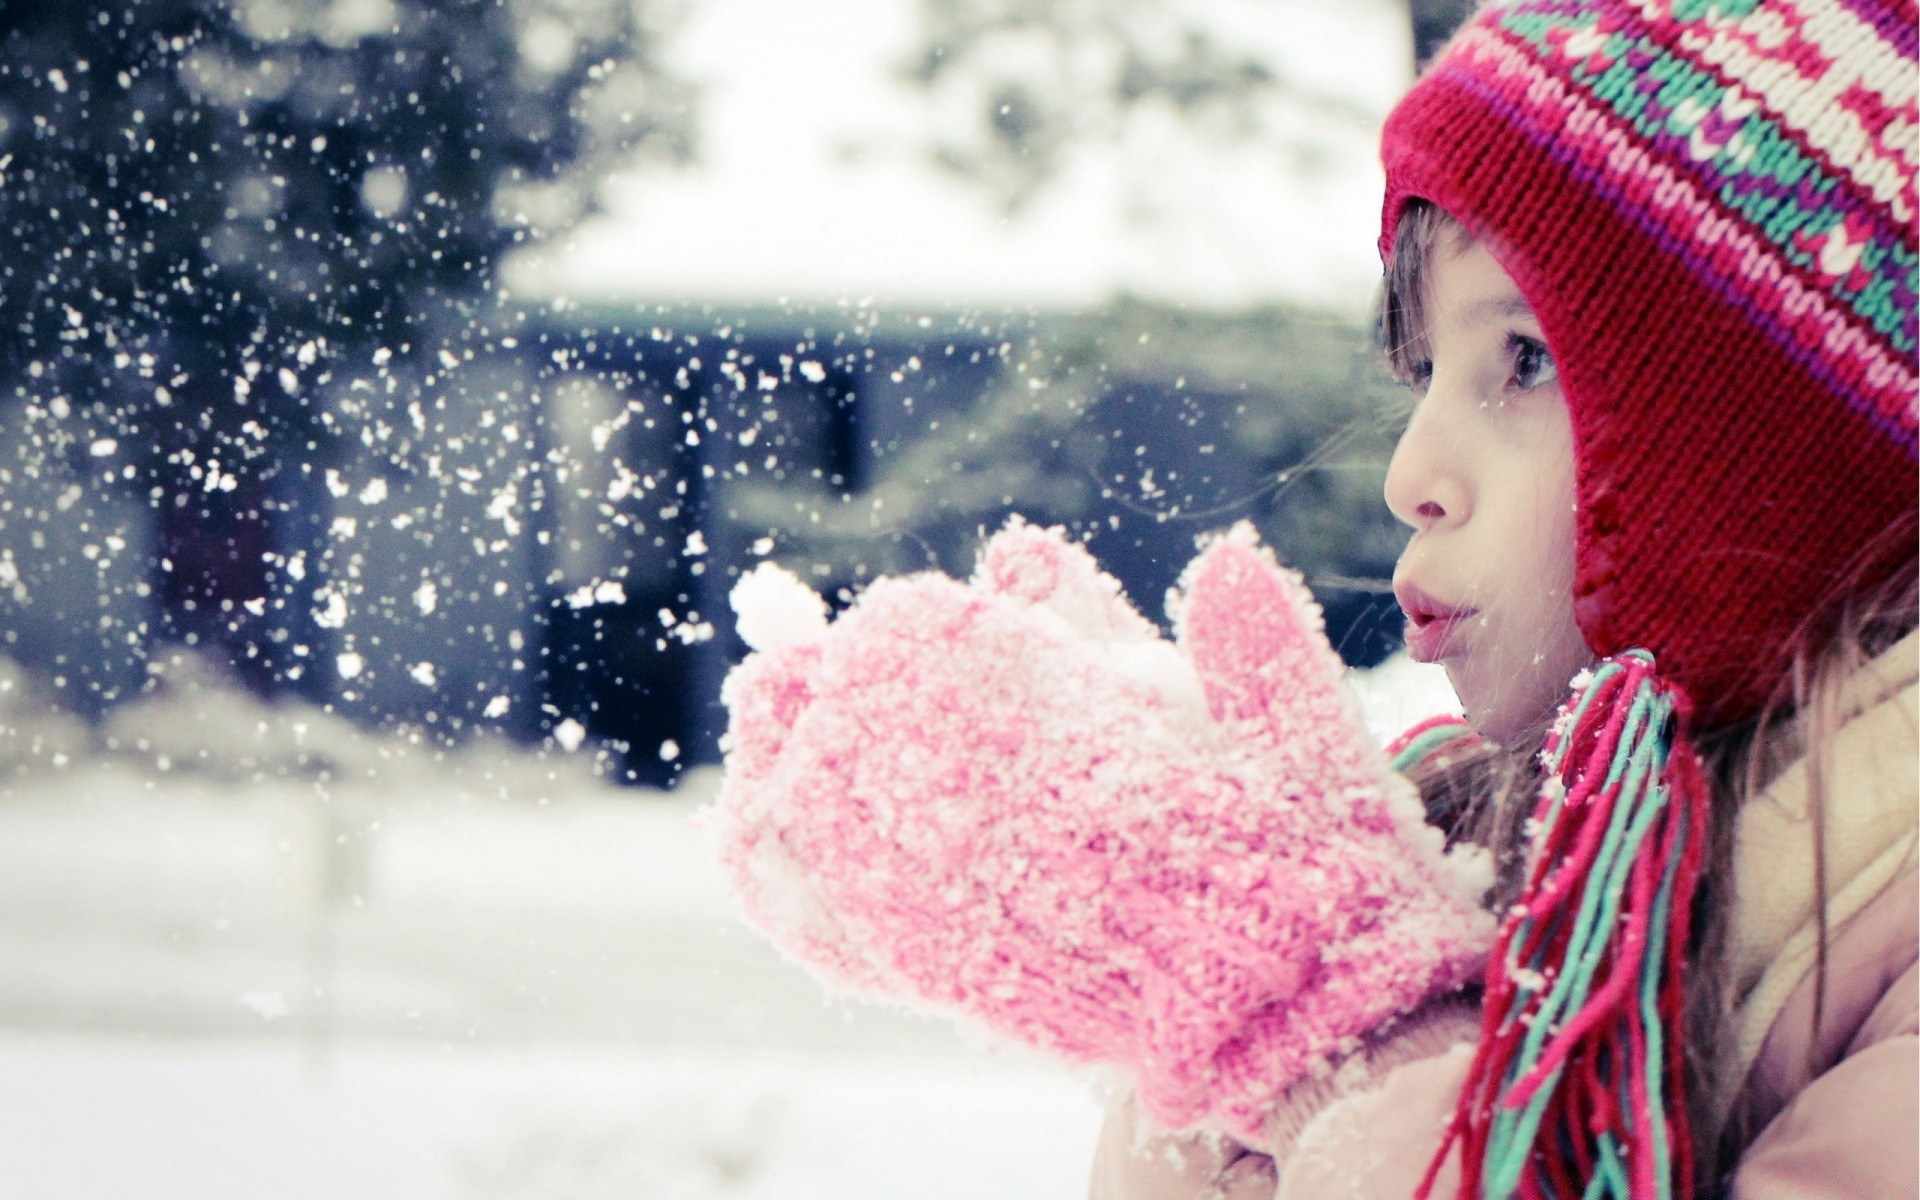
x=1486 y=795
x=1403 y=302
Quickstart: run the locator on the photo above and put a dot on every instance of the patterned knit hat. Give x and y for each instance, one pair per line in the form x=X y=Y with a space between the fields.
x=1709 y=205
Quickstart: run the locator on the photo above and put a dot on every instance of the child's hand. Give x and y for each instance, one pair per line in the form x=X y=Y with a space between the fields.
x=1367 y=1129
x=1134 y=1161
x=1012 y=800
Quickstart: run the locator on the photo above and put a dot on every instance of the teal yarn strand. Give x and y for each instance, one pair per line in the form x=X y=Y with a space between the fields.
x=1430 y=741
x=1651 y=979
x=1569 y=991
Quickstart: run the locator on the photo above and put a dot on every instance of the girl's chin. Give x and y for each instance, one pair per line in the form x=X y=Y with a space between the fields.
x=1499 y=714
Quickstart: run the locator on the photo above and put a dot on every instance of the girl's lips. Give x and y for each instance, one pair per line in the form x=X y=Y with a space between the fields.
x=1434 y=640
x=1431 y=626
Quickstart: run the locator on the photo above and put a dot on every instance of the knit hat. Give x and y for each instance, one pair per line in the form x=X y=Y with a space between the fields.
x=1709 y=206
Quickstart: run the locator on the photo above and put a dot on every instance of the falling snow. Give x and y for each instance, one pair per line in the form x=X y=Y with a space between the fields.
x=332 y=484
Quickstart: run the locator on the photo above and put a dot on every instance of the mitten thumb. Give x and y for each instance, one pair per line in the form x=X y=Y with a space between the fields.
x=1258 y=642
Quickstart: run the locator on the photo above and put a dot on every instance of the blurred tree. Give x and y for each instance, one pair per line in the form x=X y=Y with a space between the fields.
x=1030 y=79
x=212 y=204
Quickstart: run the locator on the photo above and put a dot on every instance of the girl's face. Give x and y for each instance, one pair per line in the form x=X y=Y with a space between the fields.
x=1484 y=475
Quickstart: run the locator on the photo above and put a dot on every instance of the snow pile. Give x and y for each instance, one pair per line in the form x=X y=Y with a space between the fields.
x=195 y=717
x=968 y=796
x=35 y=735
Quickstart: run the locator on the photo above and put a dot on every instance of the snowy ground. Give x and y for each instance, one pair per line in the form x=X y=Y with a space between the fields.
x=99 y=1116
x=251 y=953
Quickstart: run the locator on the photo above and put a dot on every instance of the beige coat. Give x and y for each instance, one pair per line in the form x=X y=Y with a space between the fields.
x=1838 y=1116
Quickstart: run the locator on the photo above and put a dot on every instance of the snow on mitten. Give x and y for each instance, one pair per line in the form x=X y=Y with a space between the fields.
x=1013 y=801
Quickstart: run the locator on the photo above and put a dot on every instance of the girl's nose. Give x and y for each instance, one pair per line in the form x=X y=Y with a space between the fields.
x=1425 y=486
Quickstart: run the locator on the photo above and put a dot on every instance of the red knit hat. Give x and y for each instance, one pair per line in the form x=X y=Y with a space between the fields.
x=1709 y=205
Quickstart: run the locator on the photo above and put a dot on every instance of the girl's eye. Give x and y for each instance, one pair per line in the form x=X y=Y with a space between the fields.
x=1532 y=363
x=1416 y=375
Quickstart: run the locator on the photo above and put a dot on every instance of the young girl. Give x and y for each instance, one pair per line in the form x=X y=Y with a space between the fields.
x=1651 y=277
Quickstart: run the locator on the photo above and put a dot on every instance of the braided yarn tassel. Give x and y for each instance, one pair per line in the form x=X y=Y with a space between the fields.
x=1575 y=1089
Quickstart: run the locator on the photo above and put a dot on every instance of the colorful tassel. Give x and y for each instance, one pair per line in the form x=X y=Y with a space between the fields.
x=1575 y=1090
x=1431 y=742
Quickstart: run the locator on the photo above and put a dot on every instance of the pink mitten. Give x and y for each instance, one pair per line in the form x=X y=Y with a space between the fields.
x=1013 y=800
